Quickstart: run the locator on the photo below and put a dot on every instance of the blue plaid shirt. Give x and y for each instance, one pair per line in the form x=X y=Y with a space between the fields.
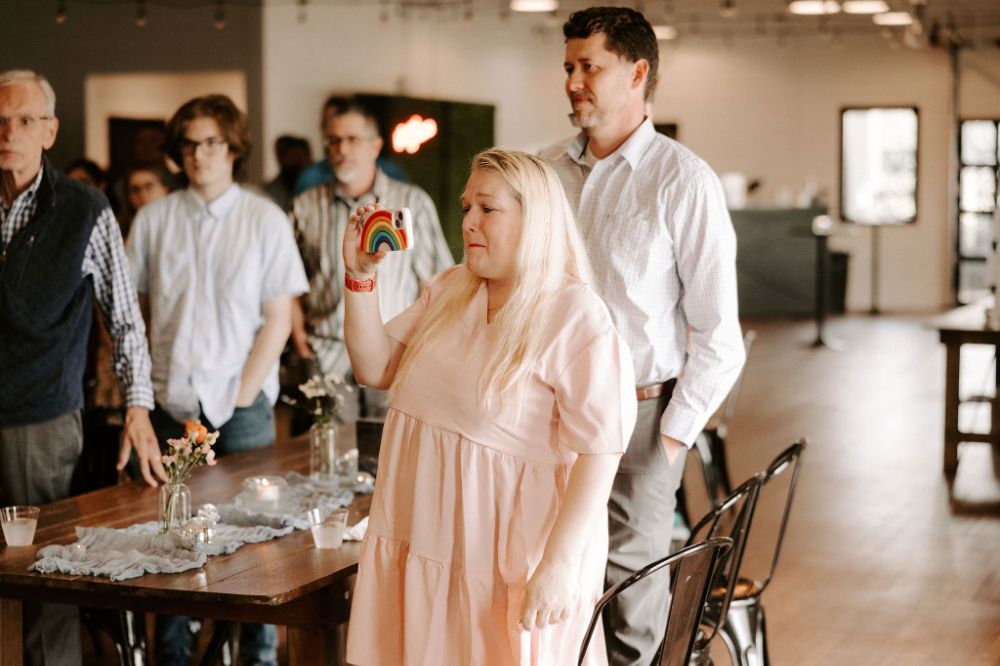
x=105 y=261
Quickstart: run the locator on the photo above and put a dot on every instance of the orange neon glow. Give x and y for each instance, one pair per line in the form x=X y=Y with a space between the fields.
x=416 y=131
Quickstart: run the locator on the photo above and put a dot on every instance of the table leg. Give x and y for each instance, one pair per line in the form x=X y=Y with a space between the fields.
x=11 y=637
x=951 y=401
x=316 y=647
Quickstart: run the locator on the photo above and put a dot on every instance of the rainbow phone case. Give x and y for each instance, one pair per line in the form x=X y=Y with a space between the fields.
x=387 y=230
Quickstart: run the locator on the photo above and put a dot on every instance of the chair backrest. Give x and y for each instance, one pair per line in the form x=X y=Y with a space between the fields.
x=694 y=568
x=732 y=518
x=786 y=462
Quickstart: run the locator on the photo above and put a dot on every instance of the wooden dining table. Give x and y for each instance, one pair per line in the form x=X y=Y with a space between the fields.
x=285 y=581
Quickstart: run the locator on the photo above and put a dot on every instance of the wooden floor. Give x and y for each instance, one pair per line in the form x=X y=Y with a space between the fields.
x=876 y=569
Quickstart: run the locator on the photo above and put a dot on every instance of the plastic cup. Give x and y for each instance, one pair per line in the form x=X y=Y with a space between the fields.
x=328 y=531
x=18 y=523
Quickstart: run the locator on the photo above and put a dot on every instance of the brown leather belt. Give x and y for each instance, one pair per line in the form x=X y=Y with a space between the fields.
x=654 y=391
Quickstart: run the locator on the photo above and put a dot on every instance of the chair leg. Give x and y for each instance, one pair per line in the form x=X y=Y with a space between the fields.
x=762 y=634
x=133 y=631
x=740 y=631
x=220 y=648
x=717 y=443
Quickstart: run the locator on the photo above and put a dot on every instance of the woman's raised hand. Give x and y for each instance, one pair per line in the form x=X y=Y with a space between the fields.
x=357 y=263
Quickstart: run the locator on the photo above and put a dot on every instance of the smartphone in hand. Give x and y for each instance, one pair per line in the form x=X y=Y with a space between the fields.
x=387 y=231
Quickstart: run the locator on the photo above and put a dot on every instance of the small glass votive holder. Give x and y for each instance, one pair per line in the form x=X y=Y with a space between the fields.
x=18 y=523
x=265 y=491
x=197 y=532
x=328 y=531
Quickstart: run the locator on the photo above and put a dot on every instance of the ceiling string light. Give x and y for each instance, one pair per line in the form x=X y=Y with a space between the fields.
x=140 y=14
x=865 y=6
x=219 y=18
x=727 y=9
x=61 y=12
x=534 y=6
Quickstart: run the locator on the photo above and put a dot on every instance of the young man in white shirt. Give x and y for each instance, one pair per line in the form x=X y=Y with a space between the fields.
x=664 y=256
x=217 y=269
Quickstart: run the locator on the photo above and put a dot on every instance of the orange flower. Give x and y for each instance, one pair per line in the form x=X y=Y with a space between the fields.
x=195 y=430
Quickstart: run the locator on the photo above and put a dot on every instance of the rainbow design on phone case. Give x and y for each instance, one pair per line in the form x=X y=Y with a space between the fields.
x=387 y=230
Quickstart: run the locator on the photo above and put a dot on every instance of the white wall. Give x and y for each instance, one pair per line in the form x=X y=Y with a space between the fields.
x=772 y=113
x=147 y=96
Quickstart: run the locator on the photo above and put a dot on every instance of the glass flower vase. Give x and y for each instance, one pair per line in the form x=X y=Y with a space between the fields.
x=174 y=507
x=323 y=450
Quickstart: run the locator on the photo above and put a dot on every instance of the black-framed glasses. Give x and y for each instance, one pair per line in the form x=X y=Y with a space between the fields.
x=211 y=147
x=24 y=122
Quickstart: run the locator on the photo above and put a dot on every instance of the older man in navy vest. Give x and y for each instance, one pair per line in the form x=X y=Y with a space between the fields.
x=60 y=248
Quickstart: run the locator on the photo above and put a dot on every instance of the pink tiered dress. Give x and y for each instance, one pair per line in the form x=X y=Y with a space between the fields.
x=466 y=496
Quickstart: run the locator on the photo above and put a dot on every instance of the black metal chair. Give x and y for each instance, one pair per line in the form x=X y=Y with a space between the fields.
x=744 y=630
x=710 y=445
x=693 y=570
x=732 y=518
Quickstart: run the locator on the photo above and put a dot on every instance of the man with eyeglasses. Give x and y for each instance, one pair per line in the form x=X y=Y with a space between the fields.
x=320 y=215
x=217 y=270
x=60 y=249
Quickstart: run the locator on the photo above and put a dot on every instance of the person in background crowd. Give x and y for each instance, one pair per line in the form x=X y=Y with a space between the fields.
x=655 y=223
x=89 y=173
x=50 y=221
x=293 y=154
x=144 y=184
x=320 y=216
x=321 y=173
x=513 y=400
x=216 y=269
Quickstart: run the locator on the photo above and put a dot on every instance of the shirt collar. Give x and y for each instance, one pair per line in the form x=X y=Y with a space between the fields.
x=29 y=194
x=220 y=207
x=375 y=194
x=632 y=150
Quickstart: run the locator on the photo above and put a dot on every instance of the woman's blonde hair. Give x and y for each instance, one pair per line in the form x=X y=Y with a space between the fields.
x=549 y=255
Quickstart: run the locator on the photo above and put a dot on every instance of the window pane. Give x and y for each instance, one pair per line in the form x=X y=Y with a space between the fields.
x=978 y=189
x=975 y=234
x=879 y=157
x=972 y=281
x=979 y=142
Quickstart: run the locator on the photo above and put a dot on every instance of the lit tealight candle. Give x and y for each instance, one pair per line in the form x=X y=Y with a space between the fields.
x=268 y=492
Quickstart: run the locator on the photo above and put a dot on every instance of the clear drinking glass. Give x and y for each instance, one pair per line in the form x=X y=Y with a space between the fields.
x=19 y=524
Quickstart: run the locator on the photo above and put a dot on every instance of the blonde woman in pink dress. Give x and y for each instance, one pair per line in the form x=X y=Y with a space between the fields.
x=512 y=401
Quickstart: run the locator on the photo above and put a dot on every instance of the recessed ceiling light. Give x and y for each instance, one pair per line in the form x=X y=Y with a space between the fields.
x=893 y=18
x=534 y=5
x=813 y=7
x=665 y=33
x=865 y=6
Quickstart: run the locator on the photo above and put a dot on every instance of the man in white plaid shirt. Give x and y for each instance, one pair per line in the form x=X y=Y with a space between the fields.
x=60 y=248
x=320 y=215
x=664 y=257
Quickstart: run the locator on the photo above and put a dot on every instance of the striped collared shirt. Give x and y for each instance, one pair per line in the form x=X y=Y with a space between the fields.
x=663 y=250
x=105 y=261
x=319 y=216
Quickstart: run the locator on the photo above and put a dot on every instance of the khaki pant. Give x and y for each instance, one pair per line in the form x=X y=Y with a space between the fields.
x=36 y=467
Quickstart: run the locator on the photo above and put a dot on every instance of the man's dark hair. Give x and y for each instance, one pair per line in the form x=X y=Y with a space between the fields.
x=232 y=123
x=289 y=142
x=337 y=105
x=97 y=175
x=628 y=34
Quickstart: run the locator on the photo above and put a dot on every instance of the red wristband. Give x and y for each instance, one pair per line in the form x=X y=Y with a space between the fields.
x=359 y=285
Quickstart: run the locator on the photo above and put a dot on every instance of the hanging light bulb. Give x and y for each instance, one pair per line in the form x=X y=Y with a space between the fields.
x=61 y=12
x=140 y=14
x=303 y=15
x=812 y=7
x=219 y=19
x=727 y=9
